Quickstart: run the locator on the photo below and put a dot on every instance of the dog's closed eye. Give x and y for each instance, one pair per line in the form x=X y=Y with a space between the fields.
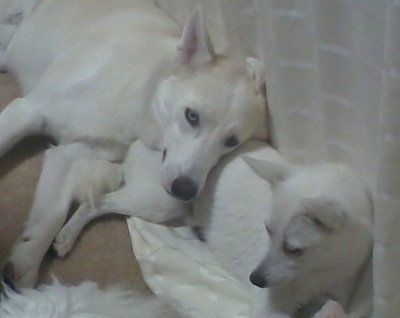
x=292 y=250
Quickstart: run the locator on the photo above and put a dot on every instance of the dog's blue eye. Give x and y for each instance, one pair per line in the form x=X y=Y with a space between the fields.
x=231 y=142
x=192 y=117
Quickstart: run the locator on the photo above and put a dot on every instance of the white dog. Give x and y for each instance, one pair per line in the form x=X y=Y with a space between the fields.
x=314 y=221
x=320 y=236
x=319 y=224
x=97 y=75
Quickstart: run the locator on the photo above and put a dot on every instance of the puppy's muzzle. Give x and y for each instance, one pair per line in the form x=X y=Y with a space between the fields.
x=183 y=188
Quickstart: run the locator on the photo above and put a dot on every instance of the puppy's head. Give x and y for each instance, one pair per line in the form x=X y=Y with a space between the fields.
x=210 y=106
x=320 y=230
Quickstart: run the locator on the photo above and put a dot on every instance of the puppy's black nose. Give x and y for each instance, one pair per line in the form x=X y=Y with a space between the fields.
x=184 y=189
x=258 y=279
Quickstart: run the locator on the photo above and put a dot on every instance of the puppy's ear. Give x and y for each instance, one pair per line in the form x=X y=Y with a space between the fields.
x=273 y=172
x=195 y=46
x=257 y=72
x=326 y=213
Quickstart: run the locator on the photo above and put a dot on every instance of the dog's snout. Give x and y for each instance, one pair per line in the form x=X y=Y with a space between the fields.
x=258 y=279
x=184 y=188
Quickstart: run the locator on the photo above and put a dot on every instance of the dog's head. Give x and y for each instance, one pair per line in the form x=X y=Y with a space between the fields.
x=320 y=230
x=207 y=108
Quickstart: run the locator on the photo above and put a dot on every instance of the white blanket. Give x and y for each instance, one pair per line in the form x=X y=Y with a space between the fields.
x=179 y=268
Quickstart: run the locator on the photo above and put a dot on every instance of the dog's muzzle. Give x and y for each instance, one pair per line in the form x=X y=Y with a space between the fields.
x=183 y=188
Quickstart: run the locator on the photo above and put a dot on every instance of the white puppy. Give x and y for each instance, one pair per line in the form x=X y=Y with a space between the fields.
x=319 y=224
x=314 y=222
x=320 y=236
x=97 y=75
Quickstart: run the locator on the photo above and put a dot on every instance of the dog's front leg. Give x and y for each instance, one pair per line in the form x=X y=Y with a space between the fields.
x=89 y=180
x=18 y=120
x=69 y=233
x=47 y=215
x=139 y=201
x=145 y=199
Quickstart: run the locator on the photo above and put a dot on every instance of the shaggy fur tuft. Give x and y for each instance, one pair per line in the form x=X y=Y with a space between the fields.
x=83 y=301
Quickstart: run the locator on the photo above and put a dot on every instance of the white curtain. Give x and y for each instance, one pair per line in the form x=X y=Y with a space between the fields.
x=333 y=80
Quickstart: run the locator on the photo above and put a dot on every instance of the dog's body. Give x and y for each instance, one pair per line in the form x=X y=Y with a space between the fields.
x=319 y=221
x=97 y=75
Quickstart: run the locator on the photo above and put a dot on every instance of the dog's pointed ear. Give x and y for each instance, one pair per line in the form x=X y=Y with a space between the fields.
x=273 y=172
x=257 y=72
x=326 y=213
x=195 y=46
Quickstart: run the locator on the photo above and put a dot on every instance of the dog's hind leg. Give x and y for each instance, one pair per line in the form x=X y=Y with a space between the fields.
x=47 y=215
x=18 y=120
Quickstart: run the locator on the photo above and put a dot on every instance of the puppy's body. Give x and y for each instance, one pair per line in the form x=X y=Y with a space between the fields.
x=97 y=75
x=319 y=220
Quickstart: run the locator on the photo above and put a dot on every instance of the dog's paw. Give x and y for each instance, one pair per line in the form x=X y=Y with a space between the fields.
x=18 y=275
x=331 y=309
x=22 y=267
x=63 y=242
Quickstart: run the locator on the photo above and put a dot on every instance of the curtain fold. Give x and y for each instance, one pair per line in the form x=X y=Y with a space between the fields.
x=333 y=81
x=387 y=220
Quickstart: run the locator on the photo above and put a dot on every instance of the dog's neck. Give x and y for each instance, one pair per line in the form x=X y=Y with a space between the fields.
x=151 y=134
x=292 y=296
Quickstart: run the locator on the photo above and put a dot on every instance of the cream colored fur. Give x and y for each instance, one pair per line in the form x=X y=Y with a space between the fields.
x=97 y=75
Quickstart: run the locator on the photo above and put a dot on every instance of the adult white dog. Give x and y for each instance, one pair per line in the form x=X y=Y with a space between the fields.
x=97 y=75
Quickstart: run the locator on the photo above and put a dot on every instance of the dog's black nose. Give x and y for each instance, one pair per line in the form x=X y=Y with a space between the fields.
x=258 y=279
x=184 y=189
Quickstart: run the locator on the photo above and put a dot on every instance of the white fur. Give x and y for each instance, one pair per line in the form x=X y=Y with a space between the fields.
x=101 y=74
x=320 y=209
x=88 y=301
x=83 y=301
x=11 y=15
x=320 y=235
